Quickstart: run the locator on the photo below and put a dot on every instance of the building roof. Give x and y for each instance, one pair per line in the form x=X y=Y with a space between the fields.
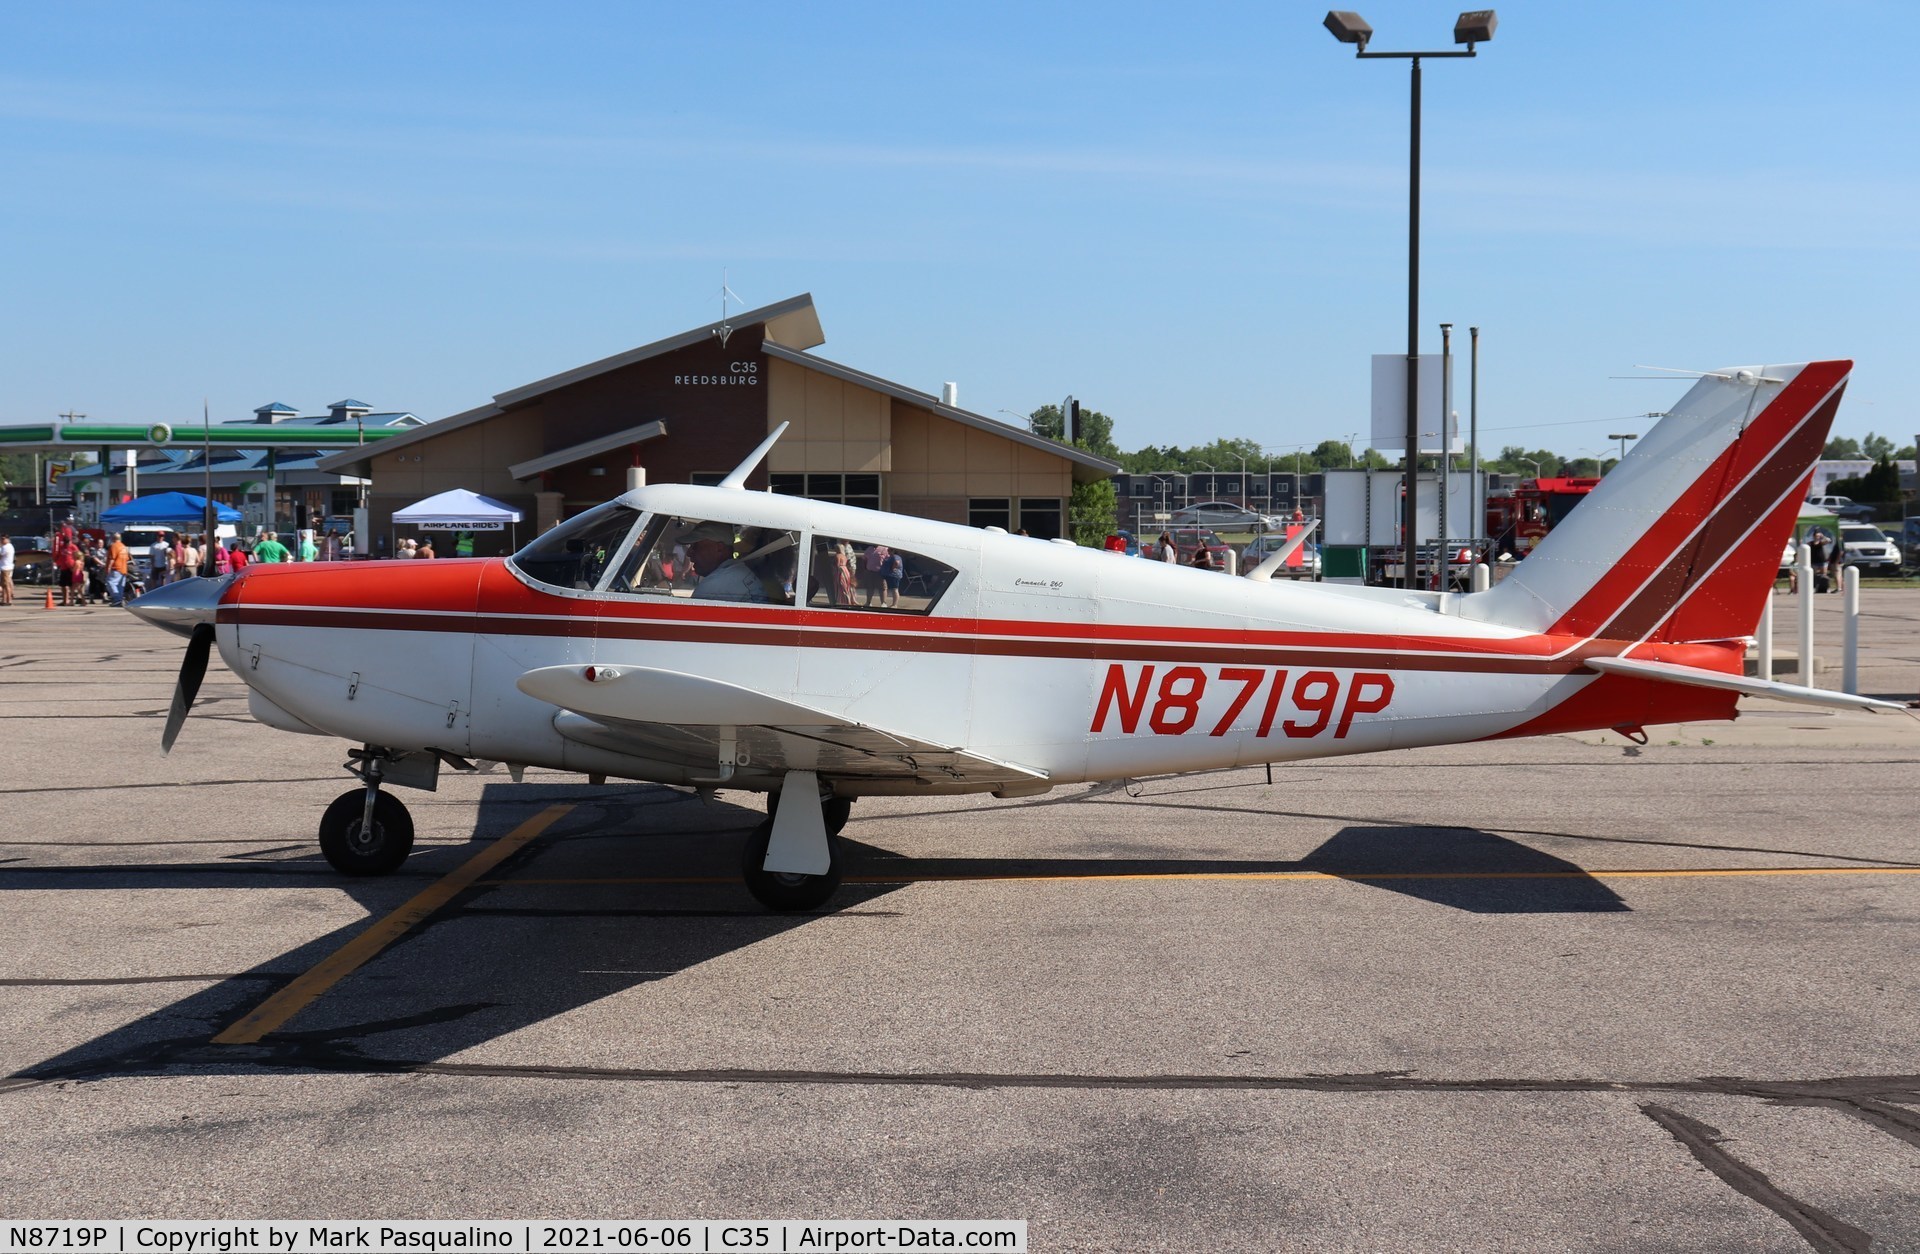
x=276 y=408
x=790 y=321
x=349 y=404
x=591 y=448
x=1087 y=467
x=792 y=327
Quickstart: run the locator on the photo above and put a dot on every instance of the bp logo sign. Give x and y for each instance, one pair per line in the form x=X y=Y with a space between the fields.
x=159 y=433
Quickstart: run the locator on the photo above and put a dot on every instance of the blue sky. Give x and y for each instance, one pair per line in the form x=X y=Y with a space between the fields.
x=1193 y=218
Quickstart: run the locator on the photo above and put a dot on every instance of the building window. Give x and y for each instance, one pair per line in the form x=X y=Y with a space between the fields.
x=990 y=511
x=1041 y=518
x=858 y=490
x=706 y=478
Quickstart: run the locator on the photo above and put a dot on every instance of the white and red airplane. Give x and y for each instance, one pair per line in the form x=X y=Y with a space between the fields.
x=712 y=636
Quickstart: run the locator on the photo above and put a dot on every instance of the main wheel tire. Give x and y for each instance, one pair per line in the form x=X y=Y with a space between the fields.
x=782 y=892
x=836 y=811
x=353 y=852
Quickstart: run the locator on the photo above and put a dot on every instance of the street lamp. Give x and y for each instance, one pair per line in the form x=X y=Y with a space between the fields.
x=1475 y=26
x=1623 y=437
x=1536 y=466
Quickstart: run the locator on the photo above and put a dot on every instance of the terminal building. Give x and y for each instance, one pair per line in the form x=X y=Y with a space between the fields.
x=689 y=408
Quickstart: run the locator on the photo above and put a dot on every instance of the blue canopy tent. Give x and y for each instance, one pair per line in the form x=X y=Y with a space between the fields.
x=167 y=509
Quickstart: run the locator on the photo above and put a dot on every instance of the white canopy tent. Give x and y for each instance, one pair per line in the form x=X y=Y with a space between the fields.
x=457 y=510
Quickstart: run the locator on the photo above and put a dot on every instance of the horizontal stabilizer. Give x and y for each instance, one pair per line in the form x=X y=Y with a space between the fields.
x=1693 y=676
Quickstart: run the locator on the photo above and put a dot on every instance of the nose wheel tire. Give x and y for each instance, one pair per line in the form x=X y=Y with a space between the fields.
x=352 y=851
x=779 y=891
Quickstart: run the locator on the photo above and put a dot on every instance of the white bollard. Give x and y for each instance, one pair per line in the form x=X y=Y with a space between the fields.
x=1763 y=638
x=1850 y=663
x=1804 y=562
x=1482 y=577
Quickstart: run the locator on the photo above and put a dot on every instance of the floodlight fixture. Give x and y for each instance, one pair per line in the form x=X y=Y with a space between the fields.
x=1475 y=27
x=1349 y=28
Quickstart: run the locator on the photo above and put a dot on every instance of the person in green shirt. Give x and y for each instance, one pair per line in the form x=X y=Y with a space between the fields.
x=269 y=549
x=309 y=552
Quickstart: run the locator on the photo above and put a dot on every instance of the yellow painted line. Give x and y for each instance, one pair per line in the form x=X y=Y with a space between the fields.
x=989 y=877
x=342 y=962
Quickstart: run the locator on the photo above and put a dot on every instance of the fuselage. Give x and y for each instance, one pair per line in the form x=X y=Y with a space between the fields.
x=1074 y=663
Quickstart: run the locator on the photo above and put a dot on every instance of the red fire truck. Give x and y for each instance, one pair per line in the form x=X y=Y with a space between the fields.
x=1518 y=520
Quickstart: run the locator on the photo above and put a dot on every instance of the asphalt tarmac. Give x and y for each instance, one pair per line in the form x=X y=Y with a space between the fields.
x=1567 y=993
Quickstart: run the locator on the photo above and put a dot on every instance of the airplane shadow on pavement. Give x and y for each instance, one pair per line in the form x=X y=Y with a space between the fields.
x=630 y=886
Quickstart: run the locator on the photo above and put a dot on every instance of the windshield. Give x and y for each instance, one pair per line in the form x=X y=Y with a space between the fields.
x=711 y=560
x=577 y=552
x=1857 y=535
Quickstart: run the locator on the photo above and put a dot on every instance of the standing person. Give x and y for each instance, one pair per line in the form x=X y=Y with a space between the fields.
x=270 y=549
x=843 y=561
x=119 y=565
x=308 y=551
x=1819 y=561
x=193 y=558
x=65 y=560
x=876 y=560
x=159 y=562
x=893 y=572
x=6 y=569
x=1166 y=549
x=425 y=548
x=237 y=556
x=1836 y=563
x=177 y=562
x=222 y=563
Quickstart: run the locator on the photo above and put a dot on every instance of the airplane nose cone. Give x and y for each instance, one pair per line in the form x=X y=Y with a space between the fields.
x=180 y=607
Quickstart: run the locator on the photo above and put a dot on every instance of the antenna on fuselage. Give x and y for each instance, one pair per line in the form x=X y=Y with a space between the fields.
x=738 y=479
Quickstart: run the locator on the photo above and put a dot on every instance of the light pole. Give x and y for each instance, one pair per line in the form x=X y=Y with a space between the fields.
x=1536 y=466
x=1470 y=28
x=1623 y=437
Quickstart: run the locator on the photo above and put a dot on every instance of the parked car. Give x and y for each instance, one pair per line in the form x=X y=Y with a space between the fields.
x=1222 y=514
x=1869 y=548
x=1263 y=547
x=1843 y=508
x=1187 y=541
x=1910 y=542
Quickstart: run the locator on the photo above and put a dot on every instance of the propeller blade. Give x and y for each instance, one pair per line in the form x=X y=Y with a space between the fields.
x=193 y=668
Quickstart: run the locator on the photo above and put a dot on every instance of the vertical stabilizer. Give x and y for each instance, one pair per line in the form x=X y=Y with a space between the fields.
x=1682 y=539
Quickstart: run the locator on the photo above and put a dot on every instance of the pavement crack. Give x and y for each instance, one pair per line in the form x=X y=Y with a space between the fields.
x=1826 y=1233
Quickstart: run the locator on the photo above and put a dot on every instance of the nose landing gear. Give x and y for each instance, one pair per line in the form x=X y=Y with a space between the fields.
x=366 y=831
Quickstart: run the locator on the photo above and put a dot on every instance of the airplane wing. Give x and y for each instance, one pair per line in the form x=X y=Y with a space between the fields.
x=1668 y=672
x=699 y=721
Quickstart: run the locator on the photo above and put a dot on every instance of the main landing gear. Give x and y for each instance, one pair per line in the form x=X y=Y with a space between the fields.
x=801 y=838
x=366 y=831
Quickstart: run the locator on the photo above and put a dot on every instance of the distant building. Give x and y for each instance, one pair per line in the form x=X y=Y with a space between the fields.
x=689 y=408
x=302 y=493
x=1826 y=470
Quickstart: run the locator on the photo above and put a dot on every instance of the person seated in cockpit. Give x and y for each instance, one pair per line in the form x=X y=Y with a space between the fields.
x=711 y=548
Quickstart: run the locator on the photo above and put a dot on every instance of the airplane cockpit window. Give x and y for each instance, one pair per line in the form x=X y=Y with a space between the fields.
x=577 y=553
x=864 y=575
x=710 y=560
